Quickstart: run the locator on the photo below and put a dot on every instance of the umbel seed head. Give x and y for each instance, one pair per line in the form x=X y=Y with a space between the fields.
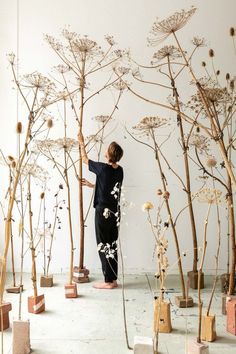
x=232 y=31
x=211 y=53
x=19 y=128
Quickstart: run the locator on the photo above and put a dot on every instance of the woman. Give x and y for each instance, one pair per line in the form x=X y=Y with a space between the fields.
x=109 y=178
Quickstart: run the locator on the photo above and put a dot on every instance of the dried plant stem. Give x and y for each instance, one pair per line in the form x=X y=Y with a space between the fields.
x=216 y=134
x=32 y=247
x=187 y=171
x=204 y=246
x=230 y=203
x=164 y=185
x=216 y=256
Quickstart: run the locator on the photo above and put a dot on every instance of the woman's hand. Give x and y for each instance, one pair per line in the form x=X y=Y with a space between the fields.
x=86 y=183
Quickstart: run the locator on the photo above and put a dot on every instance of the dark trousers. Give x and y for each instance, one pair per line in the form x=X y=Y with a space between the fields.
x=107 y=235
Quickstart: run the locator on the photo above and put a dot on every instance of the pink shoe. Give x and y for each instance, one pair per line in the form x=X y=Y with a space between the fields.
x=104 y=286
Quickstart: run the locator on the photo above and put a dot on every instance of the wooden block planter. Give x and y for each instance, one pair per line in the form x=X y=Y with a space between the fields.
x=197 y=348
x=80 y=275
x=208 y=333
x=181 y=302
x=193 y=280
x=231 y=315
x=36 y=304
x=46 y=281
x=21 y=337
x=71 y=291
x=143 y=345
x=5 y=308
x=15 y=289
x=162 y=318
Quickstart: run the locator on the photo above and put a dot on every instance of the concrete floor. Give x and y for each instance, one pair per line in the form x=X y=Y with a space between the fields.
x=93 y=323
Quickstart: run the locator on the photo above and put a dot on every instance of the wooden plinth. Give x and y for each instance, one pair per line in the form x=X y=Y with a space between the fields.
x=80 y=275
x=208 y=332
x=162 y=318
x=193 y=280
x=71 y=291
x=21 y=337
x=36 y=304
x=181 y=302
x=231 y=315
x=5 y=308
x=46 y=281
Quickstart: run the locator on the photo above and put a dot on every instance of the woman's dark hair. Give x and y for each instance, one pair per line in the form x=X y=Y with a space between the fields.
x=115 y=152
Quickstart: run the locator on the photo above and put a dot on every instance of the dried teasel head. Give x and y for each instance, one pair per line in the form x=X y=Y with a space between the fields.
x=232 y=31
x=231 y=84
x=211 y=53
x=49 y=123
x=211 y=161
x=227 y=76
x=218 y=72
x=203 y=63
x=19 y=128
x=13 y=164
x=42 y=195
x=10 y=158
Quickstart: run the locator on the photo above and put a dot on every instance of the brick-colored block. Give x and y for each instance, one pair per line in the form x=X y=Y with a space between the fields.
x=208 y=328
x=231 y=315
x=193 y=280
x=143 y=345
x=5 y=308
x=183 y=303
x=80 y=275
x=162 y=318
x=36 y=304
x=197 y=348
x=71 y=291
x=46 y=281
x=21 y=337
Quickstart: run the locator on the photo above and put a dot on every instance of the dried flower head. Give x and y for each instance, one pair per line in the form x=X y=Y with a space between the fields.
x=159 y=192
x=120 y=85
x=148 y=124
x=211 y=53
x=35 y=171
x=200 y=142
x=11 y=58
x=42 y=195
x=49 y=123
x=19 y=127
x=37 y=80
x=102 y=119
x=232 y=31
x=199 y=42
x=162 y=29
x=227 y=76
x=62 y=69
x=168 y=51
x=209 y=195
x=110 y=40
x=211 y=161
x=203 y=64
x=56 y=145
x=166 y=195
x=147 y=206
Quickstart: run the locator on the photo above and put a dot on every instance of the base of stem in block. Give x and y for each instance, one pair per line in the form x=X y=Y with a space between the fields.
x=182 y=303
x=36 y=304
x=46 y=281
x=80 y=275
x=193 y=280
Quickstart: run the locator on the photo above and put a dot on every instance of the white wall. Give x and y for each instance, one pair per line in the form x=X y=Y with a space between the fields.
x=129 y=21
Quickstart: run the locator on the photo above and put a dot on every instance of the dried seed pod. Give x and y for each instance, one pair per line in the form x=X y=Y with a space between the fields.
x=13 y=164
x=159 y=192
x=166 y=195
x=232 y=31
x=42 y=195
x=211 y=53
x=10 y=158
x=49 y=123
x=203 y=63
x=231 y=84
x=211 y=161
x=227 y=76
x=19 y=128
x=218 y=72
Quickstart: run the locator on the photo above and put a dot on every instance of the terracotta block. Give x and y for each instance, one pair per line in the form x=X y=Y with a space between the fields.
x=143 y=345
x=15 y=289
x=225 y=298
x=71 y=291
x=21 y=337
x=231 y=315
x=80 y=275
x=5 y=308
x=193 y=280
x=46 y=281
x=197 y=348
x=181 y=302
x=162 y=318
x=208 y=328
x=36 y=304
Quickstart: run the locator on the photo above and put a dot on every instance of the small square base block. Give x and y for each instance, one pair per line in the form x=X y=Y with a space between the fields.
x=197 y=348
x=231 y=315
x=15 y=289
x=226 y=298
x=46 y=281
x=208 y=328
x=193 y=280
x=5 y=308
x=21 y=337
x=143 y=345
x=80 y=275
x=71 y=291
x=162 y=318
x=183 y=303
x=36 y=304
